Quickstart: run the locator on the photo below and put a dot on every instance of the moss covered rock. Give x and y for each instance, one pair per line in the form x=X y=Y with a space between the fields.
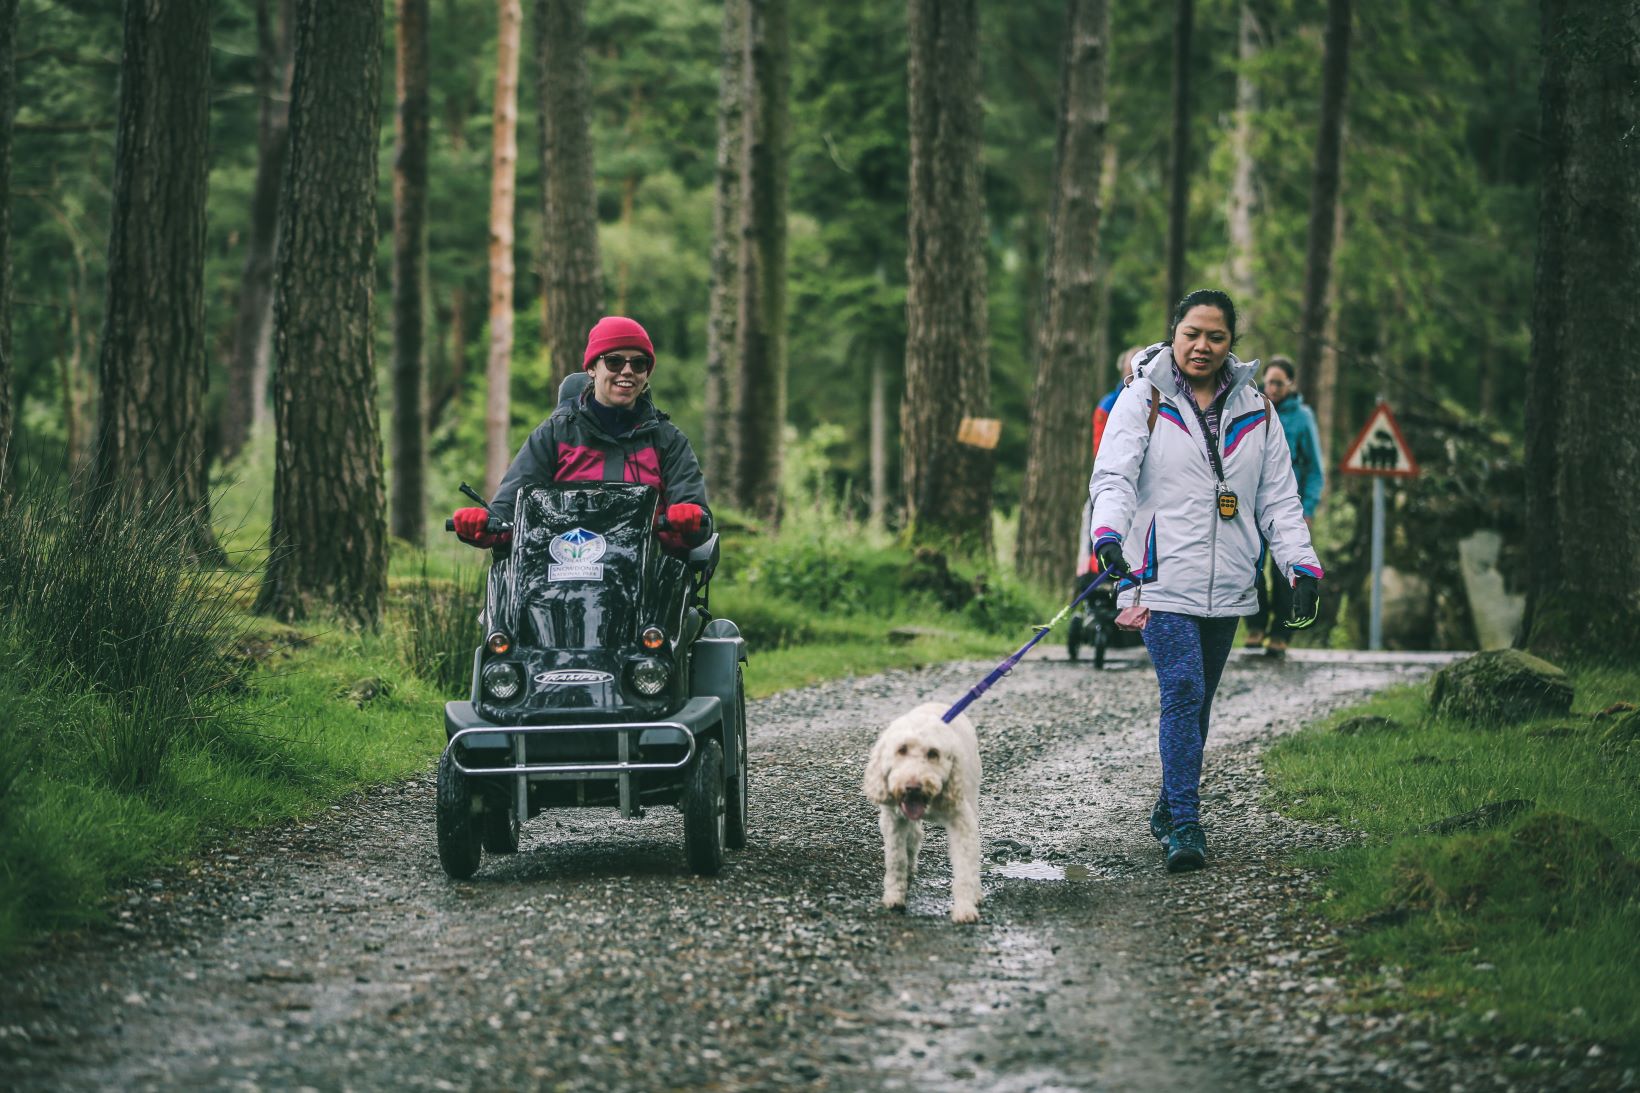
x=1554 y=868
x=1501 y=686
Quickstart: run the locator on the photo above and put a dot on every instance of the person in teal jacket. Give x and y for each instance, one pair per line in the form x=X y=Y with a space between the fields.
x=1304 y=442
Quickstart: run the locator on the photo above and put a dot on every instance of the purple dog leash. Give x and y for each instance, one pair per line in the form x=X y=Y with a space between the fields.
x=1008 y=665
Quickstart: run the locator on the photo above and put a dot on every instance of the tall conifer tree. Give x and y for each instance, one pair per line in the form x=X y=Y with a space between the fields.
x=328 y=541
x=1056 y=471
x=947 y=362
x=409 y=267
x=151 y=366
x=1582 y=451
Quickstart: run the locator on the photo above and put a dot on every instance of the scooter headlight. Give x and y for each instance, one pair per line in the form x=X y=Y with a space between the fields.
x=502 y=680
x=649 y=677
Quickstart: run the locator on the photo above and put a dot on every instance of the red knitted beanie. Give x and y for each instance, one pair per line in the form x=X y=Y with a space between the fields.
x=615 y=332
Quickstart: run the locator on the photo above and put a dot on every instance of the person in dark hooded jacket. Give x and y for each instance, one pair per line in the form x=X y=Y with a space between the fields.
x=610 y=431
x=1304 y=442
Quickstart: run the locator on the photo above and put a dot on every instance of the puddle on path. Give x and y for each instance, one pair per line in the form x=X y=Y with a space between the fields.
x=1039 y=870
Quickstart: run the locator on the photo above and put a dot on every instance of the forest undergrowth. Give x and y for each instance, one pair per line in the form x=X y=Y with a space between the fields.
x=1495 y=882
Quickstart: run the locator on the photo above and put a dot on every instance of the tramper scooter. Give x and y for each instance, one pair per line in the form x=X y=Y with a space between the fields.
x=602 y=681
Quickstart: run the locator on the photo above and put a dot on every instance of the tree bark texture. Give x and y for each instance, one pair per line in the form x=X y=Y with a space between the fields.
x=1103 y=350
x=328 y=540
x=760 y=336
x=409 y=463
x=575 y=270
x=723 y=306
x=1062 y=399
x=1243 y=187
x=1326 y=382
x=247 y=372
x=150 y=430
x=1178 y=167
x=947 y=365
x=1583 y=399
x=8 y=108
x=1329 y=155
x=503 y=192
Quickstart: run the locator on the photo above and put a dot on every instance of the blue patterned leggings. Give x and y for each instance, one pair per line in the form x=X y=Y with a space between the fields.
x=1189 y=654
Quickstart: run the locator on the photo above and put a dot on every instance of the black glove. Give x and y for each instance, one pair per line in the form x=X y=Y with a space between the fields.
x=1306 y=601
x=1110 y=558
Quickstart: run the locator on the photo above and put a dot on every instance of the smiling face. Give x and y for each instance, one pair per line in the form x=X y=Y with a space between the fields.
x=620 y=376
x=1201 y=341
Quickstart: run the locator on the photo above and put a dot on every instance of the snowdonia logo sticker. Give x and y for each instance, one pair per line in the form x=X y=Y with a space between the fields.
x=577 y=553
x=573 y=678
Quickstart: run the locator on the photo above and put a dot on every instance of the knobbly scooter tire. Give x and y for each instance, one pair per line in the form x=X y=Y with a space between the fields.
x=1101 y=642
x=1073 y=637
x=459 y=849
x=702 y=807
x=735 y=793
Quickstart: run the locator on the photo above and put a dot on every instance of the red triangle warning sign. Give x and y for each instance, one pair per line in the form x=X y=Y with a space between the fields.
x=1380 y=449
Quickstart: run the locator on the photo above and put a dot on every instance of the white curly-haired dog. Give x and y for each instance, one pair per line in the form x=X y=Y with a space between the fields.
x=922 y=768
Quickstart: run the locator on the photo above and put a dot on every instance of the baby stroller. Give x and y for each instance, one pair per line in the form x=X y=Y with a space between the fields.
x=1093 y=624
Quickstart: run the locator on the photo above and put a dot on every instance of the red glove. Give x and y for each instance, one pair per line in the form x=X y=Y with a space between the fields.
x=472 y=526
x=685 y=519
x=684 y=523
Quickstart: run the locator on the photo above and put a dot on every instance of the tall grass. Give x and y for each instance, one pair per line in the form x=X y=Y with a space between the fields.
x=107 y=601
x=441 y=629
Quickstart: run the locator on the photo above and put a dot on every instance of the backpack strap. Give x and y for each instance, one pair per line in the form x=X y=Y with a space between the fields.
x=1155 y=408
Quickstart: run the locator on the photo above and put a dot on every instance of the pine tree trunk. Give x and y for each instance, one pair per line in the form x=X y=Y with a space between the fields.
x=947 y=365
x=1243 y=189
x=409 y=262
x=760 y=338
x=328 y=541
x=246 y=381
x=1328 y=382
x=503 y=187
x=1050 y=506
x=150 y=432
x=1582 y=455
x=1178 y=169
x=1329 y=154
x=879 y=437
x=1103 y=350
x=575 y=270
x=717 y=453
x=8 y=108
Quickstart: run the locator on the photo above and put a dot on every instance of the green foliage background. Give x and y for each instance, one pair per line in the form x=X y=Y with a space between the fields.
x=1434 y=273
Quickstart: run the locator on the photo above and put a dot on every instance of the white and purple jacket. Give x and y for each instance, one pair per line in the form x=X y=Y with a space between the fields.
x=1155 y=493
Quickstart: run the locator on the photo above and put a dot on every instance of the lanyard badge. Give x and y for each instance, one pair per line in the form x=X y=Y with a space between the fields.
x=1228 y=503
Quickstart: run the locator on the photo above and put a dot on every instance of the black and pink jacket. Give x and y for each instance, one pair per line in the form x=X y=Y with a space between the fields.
x=572 y=446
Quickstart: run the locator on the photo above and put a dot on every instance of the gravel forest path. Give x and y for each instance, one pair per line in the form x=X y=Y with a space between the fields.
x=336 y=955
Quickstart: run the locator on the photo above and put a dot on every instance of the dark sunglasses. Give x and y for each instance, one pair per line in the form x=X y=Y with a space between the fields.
x=615 y=363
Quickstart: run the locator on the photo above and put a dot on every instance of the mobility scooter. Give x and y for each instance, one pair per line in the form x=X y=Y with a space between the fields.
x=602 y=681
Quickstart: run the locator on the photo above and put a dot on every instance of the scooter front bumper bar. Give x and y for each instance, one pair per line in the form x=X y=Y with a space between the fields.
x=466 y=728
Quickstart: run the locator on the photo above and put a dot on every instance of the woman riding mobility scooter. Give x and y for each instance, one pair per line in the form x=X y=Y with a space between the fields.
x=602 y=680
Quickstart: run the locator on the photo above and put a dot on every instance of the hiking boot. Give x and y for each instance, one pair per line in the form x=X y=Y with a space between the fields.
x=1161 y=821
x=1186 y=848
x=1275 y=648
x=1255 y=640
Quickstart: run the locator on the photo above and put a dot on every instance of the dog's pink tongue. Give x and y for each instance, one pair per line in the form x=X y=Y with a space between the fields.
x=913 y=807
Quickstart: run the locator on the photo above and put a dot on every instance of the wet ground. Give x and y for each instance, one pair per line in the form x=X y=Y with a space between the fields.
x=336 y=955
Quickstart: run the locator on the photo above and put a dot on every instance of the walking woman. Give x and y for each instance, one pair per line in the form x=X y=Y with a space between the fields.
x=1191 y=471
